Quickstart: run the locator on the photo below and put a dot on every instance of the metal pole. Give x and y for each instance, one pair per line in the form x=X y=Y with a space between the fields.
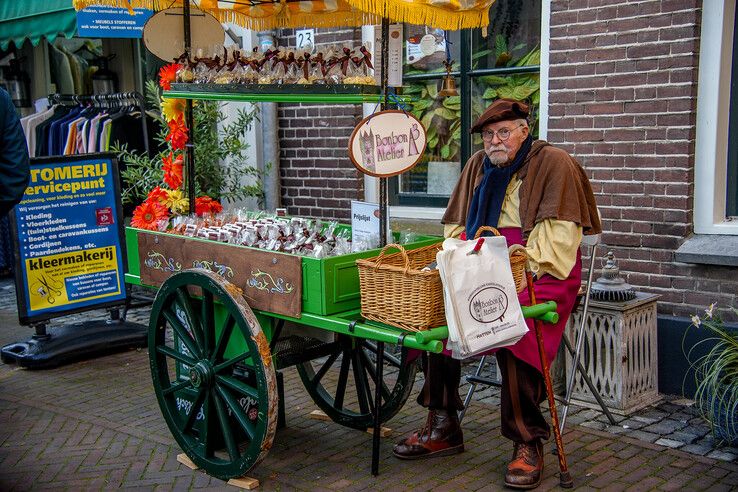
x=383 y=198
x=189 y=118
x=269 y=140
x=580 y=339
x=377 y=409
x=383 y=220
x=472 y=388
x=590 y=384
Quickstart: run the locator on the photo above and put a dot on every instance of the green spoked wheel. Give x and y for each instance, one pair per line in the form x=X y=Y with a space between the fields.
x=343 y=383
x=213 y=373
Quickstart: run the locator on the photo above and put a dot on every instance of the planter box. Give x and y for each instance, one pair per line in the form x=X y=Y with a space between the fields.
x=327 y=285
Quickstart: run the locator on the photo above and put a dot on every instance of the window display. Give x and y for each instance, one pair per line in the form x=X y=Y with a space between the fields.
x=501 y=62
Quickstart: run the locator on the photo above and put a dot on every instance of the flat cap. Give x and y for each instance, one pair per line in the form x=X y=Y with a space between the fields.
x=501 y=110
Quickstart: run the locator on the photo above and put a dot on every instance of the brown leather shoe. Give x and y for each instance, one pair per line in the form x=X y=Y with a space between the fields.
x=526 y=468
x=440 y=436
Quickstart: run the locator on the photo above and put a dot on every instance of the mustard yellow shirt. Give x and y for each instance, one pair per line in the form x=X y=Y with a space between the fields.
x=552 y=244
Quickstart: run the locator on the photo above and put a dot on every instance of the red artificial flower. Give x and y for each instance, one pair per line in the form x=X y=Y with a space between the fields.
x=206 y=205
x=148 y=215
x=167 y=75
x=157 y=195
x=173 y=171
x=177 y=135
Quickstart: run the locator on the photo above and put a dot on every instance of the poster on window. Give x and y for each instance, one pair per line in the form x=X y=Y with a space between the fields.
x=419 y=46
x=68 y=238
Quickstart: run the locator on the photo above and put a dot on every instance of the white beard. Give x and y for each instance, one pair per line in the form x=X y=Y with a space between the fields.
x=498 y=158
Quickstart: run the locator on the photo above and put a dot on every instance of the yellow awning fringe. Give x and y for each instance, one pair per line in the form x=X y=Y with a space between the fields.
x=283 y=19
x=364 y=12
x=423 y=14
x=290 y=20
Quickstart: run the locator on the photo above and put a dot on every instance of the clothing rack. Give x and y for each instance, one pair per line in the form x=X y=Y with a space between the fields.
x=112 y=100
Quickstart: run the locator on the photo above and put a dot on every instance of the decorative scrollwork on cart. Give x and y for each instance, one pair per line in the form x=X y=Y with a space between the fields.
x=158 y=261
x=263 y=281
x=223 y=270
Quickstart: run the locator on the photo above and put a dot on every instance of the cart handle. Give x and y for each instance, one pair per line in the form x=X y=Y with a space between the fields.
x=545 y=311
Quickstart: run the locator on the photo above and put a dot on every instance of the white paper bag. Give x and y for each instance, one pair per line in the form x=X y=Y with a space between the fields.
x=482 y=308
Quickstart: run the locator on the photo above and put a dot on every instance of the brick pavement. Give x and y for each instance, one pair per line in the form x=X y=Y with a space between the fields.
x=95 y=425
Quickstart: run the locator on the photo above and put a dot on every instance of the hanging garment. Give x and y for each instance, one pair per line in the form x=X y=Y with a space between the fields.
x=61 y=72
x=43 y=129
x=30 y=123
x=92 y=125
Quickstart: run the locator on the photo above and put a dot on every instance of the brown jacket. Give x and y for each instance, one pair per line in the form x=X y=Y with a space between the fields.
x=554 y=187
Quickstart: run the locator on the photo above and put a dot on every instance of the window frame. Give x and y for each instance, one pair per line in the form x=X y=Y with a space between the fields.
x=419 y=207
x=712 y=131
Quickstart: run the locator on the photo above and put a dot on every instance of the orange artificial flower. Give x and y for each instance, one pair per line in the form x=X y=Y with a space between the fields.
x=173 y=171
x=206 y=205
x=167 y=75
x=157 y=195
x=148 y=215
x=177 y=135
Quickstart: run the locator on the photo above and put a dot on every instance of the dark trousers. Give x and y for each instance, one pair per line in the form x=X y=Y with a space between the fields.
x=523 y=390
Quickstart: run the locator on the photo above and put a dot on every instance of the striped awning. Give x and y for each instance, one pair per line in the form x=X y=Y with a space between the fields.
x=35 y=20
x=261 y=15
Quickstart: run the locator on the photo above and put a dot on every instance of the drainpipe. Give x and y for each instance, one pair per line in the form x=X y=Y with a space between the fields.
x=270 y=139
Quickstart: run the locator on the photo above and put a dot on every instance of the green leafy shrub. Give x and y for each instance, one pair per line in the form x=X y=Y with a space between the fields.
x=221 y=155
x=716 y=375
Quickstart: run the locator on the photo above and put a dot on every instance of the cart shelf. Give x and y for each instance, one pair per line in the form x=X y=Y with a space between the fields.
x=285 y=93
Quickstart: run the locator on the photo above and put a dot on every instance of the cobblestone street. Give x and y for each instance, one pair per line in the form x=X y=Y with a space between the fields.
x=95 y=425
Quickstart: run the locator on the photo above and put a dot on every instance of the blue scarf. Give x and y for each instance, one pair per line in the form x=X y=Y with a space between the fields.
x=486 y=204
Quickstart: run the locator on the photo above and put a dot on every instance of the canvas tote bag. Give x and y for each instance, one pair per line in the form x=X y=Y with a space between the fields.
x=481 y=303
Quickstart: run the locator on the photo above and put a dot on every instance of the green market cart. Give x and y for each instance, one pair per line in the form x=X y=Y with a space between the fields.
x=221 y=332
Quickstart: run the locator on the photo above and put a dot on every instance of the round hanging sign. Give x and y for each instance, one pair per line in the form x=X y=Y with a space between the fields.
x=163 y=33
x=387 y=143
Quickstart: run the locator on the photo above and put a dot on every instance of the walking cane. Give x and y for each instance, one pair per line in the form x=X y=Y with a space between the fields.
x=565 y=479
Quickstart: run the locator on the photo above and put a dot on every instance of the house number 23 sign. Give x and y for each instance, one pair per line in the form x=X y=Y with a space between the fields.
x=387 y=143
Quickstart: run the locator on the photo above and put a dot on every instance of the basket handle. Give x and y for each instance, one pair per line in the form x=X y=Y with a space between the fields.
x=482 y=229
x=517 y=249
x=381 y=256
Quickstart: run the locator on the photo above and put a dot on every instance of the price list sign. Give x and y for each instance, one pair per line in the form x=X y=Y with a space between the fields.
x=68 y=238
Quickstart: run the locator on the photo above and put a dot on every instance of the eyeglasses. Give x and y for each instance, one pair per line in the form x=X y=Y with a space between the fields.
x=503 y=133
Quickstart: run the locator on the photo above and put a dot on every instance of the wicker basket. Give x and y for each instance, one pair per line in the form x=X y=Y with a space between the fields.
x=395 y=290
x=518 y=258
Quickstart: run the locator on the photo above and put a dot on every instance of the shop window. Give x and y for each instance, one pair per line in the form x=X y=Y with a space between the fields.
x=503 y=62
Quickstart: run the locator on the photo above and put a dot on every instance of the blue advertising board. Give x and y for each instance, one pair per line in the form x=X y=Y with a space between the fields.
x=68 y=238
x=111 y=22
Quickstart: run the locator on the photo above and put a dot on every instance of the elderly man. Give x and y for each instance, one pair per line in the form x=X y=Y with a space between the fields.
x=536 y=195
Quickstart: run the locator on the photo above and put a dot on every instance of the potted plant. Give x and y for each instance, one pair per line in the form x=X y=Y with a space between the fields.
x=716 y=375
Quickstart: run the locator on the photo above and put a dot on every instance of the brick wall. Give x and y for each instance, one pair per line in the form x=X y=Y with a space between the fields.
x=317 y=178
x=623 y=98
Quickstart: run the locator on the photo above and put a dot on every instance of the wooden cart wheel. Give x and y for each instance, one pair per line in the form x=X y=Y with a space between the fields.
x=213 y=373
x=343 y=383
